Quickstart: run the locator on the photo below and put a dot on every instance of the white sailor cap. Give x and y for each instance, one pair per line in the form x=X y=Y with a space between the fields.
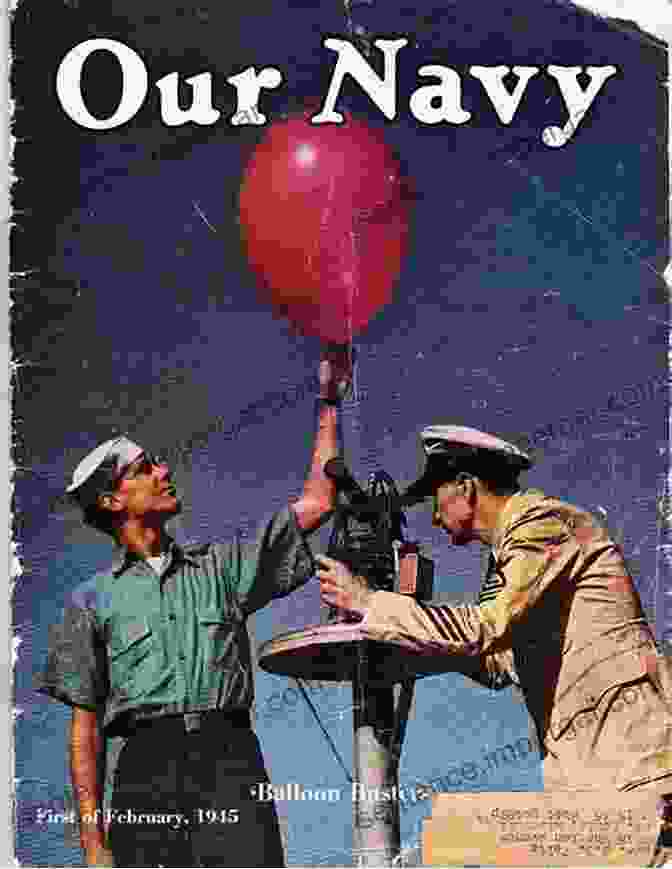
x=449 y=449
x=102 y=466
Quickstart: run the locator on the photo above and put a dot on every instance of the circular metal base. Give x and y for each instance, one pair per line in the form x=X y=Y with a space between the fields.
x=329 y=653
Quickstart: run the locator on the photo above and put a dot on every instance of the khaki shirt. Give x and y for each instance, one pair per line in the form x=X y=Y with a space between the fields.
x=567 y=625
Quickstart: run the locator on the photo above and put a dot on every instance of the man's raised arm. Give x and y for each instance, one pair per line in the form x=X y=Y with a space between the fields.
x=279 y=560
x=317 y=499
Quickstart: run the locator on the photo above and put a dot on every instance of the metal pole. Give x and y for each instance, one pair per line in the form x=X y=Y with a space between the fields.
x=376 y=837
x=375 y=804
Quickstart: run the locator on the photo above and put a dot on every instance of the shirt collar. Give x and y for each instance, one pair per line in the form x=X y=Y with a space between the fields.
x=124 y=557
x=517 y=502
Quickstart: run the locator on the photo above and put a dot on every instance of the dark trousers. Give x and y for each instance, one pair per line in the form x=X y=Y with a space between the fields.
x=187 y=799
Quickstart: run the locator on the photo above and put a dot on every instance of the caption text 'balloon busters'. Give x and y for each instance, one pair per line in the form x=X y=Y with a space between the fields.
x=435 y=103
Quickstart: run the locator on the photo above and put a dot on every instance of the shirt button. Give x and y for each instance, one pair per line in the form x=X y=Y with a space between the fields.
x=172 y=617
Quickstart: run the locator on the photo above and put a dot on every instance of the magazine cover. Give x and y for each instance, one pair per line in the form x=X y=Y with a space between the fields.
x=340 y=433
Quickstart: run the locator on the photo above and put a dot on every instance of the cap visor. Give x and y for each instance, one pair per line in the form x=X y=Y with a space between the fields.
x=424 y=487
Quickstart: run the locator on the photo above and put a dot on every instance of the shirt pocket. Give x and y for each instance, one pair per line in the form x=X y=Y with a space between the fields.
x=130 y=648
x=219 y=634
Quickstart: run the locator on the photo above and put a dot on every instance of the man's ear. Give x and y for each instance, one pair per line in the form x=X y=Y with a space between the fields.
x=467 y=487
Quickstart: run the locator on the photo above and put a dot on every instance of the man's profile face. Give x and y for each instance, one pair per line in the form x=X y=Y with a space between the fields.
x=452 y=511
x=145 y=488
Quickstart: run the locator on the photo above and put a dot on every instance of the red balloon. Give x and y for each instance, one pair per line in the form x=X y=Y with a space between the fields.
x=324 y=217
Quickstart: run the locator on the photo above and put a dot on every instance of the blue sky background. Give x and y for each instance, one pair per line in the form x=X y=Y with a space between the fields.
x=531 y=289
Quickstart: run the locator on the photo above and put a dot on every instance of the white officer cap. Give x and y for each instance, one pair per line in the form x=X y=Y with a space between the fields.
x=102 y=465
x=449 y=449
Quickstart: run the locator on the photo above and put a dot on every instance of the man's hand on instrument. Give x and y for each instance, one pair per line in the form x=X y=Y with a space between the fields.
x=340 y=589
x=335 y=374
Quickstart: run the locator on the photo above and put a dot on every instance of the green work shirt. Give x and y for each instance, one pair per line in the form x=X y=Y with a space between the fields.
x=131 y=640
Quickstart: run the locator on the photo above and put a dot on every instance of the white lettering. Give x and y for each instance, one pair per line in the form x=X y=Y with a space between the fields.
x=383 y=91
x=492 y=79
x=436 y=103
x=449 y=92
x=69 y=83
x=264 y=792
x=248 y=84
x=201 y=110
x=577 y=101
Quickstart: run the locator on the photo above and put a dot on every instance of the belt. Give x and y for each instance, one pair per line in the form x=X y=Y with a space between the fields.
x=190 y=722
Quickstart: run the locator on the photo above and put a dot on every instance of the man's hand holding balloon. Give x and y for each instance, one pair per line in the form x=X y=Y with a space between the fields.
x=340 y=589
x=335 y=373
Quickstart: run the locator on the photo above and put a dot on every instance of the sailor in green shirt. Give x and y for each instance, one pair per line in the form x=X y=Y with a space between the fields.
x=154 y=657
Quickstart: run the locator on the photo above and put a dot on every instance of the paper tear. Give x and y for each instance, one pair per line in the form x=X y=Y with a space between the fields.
x=653 y=17
x=16 y=642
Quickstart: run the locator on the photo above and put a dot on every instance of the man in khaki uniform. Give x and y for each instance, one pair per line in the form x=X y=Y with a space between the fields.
x=558 y=614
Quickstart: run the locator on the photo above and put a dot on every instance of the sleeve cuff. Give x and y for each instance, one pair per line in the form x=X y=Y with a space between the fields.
x=383 y=614
x=57 y=692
